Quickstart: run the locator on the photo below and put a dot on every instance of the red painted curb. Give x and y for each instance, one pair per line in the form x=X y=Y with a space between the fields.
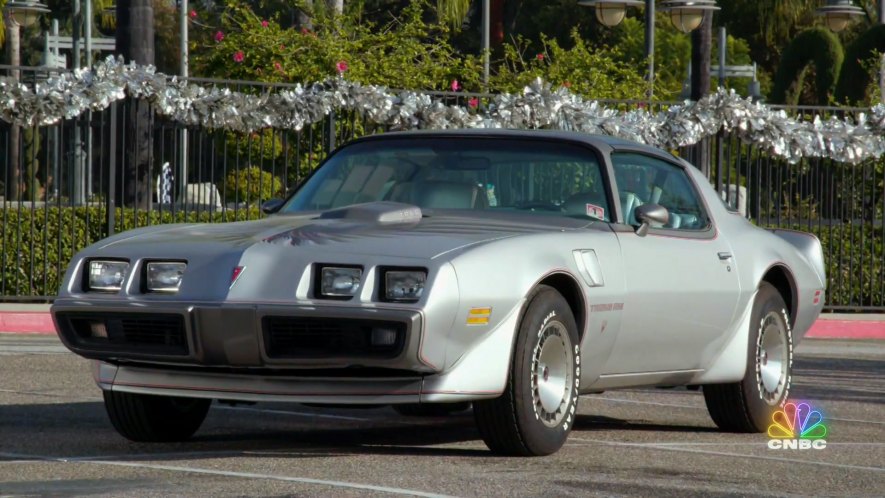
x=40 y=323
x=27 y=322
x=847 y=329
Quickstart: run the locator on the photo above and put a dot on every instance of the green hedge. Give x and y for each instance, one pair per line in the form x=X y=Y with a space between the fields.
x=34 y=256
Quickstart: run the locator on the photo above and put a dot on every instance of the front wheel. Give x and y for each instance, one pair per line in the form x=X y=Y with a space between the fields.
x=747 y=406
x=535 y=414
x=147 y=418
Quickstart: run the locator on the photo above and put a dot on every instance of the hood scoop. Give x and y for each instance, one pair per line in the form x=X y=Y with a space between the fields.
x=381 y=213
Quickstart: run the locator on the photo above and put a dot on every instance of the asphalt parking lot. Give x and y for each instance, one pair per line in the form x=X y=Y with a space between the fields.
x=55 y=440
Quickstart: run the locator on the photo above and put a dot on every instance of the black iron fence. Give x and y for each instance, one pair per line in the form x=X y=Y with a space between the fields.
x=65 y=186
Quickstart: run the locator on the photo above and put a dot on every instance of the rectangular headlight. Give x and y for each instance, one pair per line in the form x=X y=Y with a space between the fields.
x=106 y=276
x=405 y=286
x=164 y=276
x=340 y=282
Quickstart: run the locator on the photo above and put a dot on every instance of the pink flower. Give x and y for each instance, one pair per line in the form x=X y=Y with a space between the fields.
x=455 y=85
x=282 y=47
x=473 y=103
x=264 y=23
x=305 y=31
x=278 y=67
x=342 y=67
x=239 y=56
x=193 y=14
x=219 y=36
x=540 y=57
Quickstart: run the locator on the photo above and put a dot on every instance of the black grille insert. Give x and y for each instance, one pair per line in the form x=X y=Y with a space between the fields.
x=142 y=333
x=327 y=338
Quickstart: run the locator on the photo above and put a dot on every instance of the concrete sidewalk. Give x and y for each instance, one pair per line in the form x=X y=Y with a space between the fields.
x=18 y=318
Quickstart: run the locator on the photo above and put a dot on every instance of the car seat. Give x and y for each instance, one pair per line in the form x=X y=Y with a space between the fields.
x=440 y=195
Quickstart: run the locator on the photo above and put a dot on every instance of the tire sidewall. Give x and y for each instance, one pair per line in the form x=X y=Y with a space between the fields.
x=758 y=410
x=546 y=305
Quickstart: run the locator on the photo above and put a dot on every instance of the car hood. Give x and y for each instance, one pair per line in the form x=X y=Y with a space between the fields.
x=426 y=235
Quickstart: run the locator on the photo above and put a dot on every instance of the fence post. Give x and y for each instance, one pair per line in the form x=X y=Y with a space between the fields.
x=330 y=133
x=112 y=172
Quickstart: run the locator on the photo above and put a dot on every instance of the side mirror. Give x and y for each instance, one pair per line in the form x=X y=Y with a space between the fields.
x=648 y=214
x=272 y=206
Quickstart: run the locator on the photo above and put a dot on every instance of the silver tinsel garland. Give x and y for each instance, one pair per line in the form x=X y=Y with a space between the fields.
x=539 y=106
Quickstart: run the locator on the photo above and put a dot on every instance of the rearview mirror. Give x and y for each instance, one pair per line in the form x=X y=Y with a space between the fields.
x=272 y=206
x=648 y=214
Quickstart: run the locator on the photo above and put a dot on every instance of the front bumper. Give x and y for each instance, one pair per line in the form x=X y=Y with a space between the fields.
x=241 y=335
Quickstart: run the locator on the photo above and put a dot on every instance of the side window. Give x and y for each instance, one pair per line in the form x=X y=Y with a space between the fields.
x=642 y=180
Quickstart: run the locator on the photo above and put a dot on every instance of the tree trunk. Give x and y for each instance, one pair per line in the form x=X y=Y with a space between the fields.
x=304 y=20
x=497 y=23
x=13 y=163
x=135 y=40
x=701 y=50
x=336 y=6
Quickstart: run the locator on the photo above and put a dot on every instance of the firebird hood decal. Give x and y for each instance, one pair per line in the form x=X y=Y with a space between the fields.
x=437 y=233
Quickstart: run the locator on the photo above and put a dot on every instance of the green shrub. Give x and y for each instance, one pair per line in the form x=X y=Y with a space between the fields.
x=815 y=45
x=37 y=245
x=251 y=185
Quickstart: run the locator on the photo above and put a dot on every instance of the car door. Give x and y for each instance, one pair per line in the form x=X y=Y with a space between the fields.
x=681 y=284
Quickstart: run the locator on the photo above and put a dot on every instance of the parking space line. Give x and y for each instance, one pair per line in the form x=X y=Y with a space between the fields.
x=654 y=446
x=693 y=407
x=224 y=473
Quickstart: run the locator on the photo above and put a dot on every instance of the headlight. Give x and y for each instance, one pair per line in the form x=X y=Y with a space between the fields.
x=107 y=276
x=340 y=282
x=164 y=277
x=404 y=286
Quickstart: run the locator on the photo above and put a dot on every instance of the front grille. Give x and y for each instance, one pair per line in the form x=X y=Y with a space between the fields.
x=327 y=338
x=142 y=333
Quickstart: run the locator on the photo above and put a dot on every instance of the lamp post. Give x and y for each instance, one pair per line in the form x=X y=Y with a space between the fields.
x=17 y=13
x=685 y=15
x=838 y=14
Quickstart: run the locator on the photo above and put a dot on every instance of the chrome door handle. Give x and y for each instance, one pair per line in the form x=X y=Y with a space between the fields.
x=724 y=256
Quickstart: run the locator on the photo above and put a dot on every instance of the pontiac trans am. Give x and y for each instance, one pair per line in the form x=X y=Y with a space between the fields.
x=511 y=270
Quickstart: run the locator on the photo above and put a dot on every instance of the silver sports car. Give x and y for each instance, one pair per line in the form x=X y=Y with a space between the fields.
x=511 y=270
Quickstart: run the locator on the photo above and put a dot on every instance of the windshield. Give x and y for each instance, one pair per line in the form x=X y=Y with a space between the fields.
x=534 y=176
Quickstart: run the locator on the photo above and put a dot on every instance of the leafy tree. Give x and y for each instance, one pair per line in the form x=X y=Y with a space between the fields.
x=407 y=52
x=593 y=73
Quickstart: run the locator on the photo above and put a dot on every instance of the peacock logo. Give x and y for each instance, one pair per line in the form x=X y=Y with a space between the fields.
x=797 y=426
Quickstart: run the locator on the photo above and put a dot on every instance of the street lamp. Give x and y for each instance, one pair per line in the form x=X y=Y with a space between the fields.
x=25 y=12
x=686 y=16
x=838 y=14
x=610 y=13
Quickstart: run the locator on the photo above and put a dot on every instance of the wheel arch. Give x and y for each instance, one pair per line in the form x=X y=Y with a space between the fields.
x=782 y=279
x=570 y=289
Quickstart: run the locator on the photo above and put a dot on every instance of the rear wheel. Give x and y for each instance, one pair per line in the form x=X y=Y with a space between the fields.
x=431 y=409
x=147 y=418
x=535 y=414
x=747 y=406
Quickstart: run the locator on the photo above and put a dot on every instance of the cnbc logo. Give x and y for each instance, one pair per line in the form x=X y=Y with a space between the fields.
x=797 y=427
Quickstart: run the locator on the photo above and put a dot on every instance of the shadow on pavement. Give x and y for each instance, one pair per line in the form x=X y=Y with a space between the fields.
x=76 y=430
